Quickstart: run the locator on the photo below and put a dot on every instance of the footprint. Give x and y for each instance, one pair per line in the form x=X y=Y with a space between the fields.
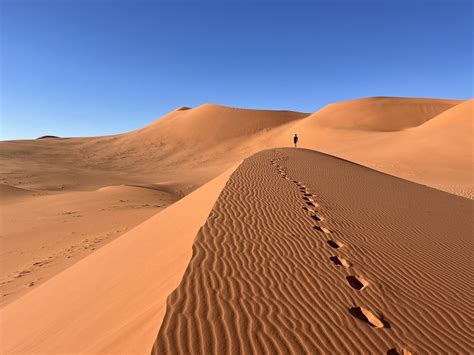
x=395 y=351
x=22 y=273
x=368 y=316
x=317 y=217
x=314 y=204
x=324 y=230
x=340 y=261
x=357 y=282
x=334 y=244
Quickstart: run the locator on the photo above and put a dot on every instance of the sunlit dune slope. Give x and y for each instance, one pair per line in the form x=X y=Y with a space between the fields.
x=212 y=124
x=206 y=136
x=380 y=113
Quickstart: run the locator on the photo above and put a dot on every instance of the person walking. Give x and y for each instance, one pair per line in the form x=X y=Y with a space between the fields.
x=295 y=139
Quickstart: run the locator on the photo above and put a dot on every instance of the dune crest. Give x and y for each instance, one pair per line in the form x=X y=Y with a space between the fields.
x=381 y=113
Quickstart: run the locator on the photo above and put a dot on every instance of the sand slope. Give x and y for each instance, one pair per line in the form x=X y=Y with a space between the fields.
x=307 y=253
x=443 y=148
x=380 y=113
x=8 y=193
x=42 y=234
x=433 y=153
x=113 y=300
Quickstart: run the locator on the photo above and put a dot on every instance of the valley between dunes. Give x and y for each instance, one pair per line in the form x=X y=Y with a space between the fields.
x=97 y=233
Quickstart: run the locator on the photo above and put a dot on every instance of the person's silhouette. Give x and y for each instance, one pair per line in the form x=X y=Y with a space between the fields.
x=295 y=139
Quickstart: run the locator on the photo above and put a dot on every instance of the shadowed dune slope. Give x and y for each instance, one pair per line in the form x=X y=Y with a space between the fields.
x=445 y=144
x=450 y=130
x=13 y=193
x=308 y=253
x=111 y=301
x=381 y=113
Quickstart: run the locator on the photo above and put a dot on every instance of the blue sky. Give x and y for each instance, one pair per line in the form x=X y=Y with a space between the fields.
x=82 y=68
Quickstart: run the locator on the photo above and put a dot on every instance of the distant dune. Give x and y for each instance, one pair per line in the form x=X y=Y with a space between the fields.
x=48 y=137
x=381 y=113
x=212 y=124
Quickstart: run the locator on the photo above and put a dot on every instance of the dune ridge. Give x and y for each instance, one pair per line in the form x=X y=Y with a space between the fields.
x=381 y=113
x=262 y=279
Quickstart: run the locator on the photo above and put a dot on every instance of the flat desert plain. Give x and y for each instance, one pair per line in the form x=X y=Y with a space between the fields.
x=207 y=232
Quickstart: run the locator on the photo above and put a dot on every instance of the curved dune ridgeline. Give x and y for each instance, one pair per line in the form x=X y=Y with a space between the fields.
x=307 y=253
x=381 y=113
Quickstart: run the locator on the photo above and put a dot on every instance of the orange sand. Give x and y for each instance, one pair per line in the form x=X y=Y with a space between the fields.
x=63 y=200
x=262 y=280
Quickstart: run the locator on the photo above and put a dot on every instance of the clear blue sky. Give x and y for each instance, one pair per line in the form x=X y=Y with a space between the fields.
x=80 y=68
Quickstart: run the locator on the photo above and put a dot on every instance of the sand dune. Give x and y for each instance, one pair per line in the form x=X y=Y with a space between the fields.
x=262 y=279
x=190 y=146
x=381 y=113
x=221 y=123
x=434 y=154
x=75 y=170
x=444 y=145
x=63 y=199
x=113 y=300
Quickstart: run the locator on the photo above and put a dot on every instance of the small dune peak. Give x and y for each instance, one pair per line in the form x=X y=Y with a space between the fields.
x=48 y=137
x=182 y=108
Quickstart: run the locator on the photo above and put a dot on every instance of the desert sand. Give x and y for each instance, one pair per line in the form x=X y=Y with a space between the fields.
x=266 y=274
x=45 y=233
x=80 y=227
x=116 y=297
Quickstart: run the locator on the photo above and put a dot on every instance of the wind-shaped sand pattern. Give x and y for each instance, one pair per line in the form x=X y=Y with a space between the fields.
x=262 y=279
